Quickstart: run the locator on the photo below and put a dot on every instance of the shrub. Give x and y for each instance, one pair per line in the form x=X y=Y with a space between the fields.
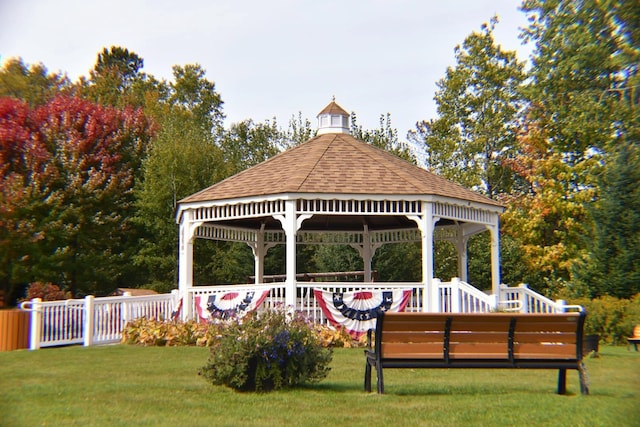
x=611 y=318
x=266 y=351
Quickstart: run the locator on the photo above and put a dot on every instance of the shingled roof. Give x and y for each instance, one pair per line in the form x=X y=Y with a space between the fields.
x=335 y=163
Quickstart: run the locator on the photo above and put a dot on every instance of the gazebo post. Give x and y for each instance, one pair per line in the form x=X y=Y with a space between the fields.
x=426 y=224
x=366 y=254
x=258 y=255
x=290 y=226
x=463 y=257
x=494 y=229
x=185 y=261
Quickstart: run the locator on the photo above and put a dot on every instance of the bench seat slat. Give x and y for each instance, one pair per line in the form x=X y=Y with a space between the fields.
x=569 y=327
x=544 y=351
x=415 y=325
x=489 y=350
x=480 y=337
x=534 y=337
x=411 y=350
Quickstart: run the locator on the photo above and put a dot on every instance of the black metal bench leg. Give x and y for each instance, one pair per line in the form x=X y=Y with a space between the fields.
x=367 y=378
x=380 y=379
x=562 y=381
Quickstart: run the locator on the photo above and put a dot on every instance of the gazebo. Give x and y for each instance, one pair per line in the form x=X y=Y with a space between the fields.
x=335 y=189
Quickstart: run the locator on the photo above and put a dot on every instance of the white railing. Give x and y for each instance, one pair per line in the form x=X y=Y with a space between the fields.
x=91 y=320
x=457 y=296
x=530 y=301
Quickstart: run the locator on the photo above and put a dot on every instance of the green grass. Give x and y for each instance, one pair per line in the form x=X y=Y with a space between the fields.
x=129 y=386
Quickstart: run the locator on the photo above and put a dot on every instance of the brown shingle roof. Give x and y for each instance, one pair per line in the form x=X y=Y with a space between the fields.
x=335 y=163
x=334 y=108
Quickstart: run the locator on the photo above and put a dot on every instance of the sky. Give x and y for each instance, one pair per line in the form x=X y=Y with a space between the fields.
x=277 y=58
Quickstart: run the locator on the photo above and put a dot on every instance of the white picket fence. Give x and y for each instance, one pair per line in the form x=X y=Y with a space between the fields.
x=95 y=321
x=92 y=321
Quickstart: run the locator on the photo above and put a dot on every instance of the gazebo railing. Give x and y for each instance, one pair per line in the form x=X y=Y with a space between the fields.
x=92 y=321
x=530 y=301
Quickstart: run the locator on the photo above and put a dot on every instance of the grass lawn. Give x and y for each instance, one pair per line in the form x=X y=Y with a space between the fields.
x=127 y=385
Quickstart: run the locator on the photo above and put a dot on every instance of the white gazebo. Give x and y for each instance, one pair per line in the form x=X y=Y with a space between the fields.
x=335 y=189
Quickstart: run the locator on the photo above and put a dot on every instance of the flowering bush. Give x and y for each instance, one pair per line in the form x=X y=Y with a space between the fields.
x=266 y=351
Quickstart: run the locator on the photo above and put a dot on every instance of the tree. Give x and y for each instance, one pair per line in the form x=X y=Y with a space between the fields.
x=548 y=219
x=247 y=143
x=117 y=80
x=583 y=101
x=184 y=158
x=478 y=101
x=611 y=266
x=299 y=131
x=32 y=84
x=585 y=59
x=191 y=91
x=385 y=137
x=67 y=170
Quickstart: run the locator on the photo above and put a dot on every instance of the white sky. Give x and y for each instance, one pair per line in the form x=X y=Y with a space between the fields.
x=271 y=58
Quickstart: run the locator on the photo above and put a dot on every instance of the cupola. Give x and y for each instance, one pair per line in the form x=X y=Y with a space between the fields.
x=333 y=119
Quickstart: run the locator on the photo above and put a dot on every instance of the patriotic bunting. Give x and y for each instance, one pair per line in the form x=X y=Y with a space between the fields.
x=175 y=314
x=238 y=303
x=357 y=311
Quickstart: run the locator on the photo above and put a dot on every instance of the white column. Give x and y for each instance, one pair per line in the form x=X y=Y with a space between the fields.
x=495 y=257
x=426 y=223
x=367 y=253
x=185 y=260
x=291 y=223
x=290 y=226
x=258 y=256
x=462 y=246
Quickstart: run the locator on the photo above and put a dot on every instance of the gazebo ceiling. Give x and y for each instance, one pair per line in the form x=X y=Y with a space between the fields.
x=335 y=164
x=345 y=223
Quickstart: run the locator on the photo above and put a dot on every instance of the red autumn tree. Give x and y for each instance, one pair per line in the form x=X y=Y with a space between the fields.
x=67 y=173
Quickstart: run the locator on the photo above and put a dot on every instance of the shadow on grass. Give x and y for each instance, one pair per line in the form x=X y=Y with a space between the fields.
x=333 y=387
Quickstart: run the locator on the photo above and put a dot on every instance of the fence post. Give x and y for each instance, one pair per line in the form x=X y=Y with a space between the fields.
x=426 y=296
x=494 y=302
x=435 y=303
x=89 y=318
x=455 y=295
x=36 y=324
x=560 y=306
x=524 y=298
x=126 y=310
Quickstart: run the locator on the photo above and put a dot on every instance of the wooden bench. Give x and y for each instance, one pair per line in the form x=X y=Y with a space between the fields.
x=478 y=340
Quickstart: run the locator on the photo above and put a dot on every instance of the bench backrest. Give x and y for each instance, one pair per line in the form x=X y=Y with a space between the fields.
x=499 y=336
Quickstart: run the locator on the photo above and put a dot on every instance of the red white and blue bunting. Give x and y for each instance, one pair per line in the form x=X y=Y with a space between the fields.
x=357 y=311
x=230 y=303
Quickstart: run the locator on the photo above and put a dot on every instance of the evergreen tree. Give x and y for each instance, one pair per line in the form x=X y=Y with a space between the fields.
x=612 y=266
